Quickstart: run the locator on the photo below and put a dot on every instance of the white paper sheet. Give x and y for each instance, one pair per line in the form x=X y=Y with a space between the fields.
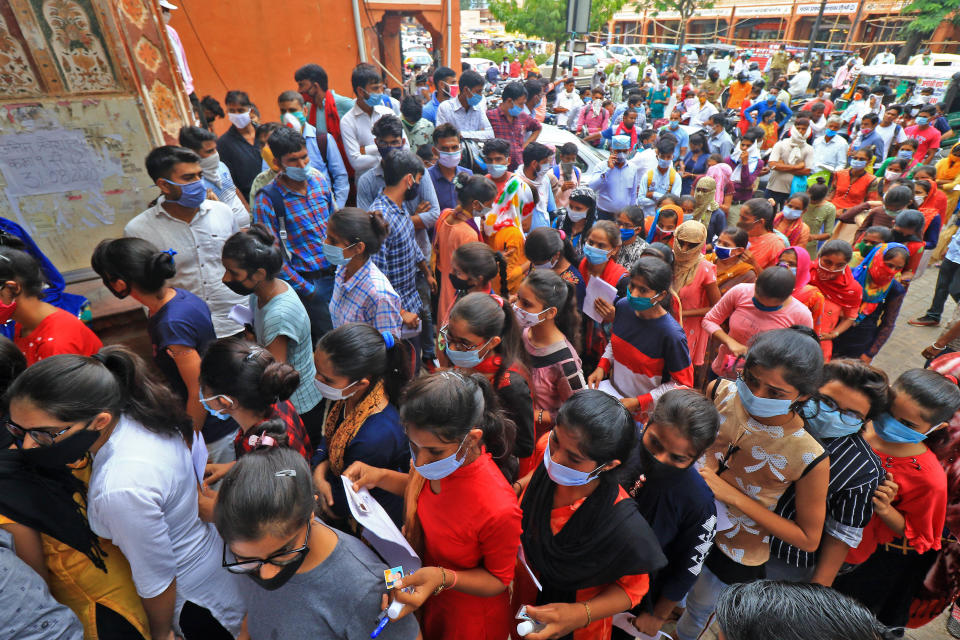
x=597 y=288
x=523 y=560
x=198 y=452
x=607 y=387
x=624 y=621
x=406 y=332
x=379 y=530
x=241 y=314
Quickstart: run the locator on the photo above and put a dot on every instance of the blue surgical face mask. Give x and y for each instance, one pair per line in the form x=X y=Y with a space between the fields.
x=663 y=164
x=545 y=265
x=297 y=174
x=639 y=303
x=722 y=252
x=892 y=430
x=440 y=469
x=674 y=124
x=515 y=110
x=496 y=170
x=219 y=415
x=466 y=359
x=922 y=120
x=829 y=422
x=626 y=234
x=565 y=476
x=373 y=99
x=191 y=193
x=334 y=255
x=595 y=255
x=905 y=154
x=792 y=214
x=763 y=307
x=474 y=100
x=761 y=407
x=858 y=164
x=829 y=133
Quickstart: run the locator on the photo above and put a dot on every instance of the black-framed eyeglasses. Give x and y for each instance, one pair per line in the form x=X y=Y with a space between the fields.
x=850 y=418
x=278 y=559
x=39 y=435
x=458 y=345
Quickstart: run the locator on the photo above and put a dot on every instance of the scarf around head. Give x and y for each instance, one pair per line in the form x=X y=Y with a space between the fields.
x=753 y=159
x=721 y=173
x=686 y=260
x=706 y=203
x=803 y=267
x=652 y=231
x=948 y=168
x=874 y=277
x=843 y=290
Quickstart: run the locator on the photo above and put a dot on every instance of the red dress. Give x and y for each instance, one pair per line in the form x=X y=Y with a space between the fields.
x=922 y=499
x=473 y=522
x=60 y=332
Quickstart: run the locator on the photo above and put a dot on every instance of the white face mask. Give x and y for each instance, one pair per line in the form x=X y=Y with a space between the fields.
x=210 y=164
x=240 y=120
x=576 y=216
x=332 y=393
x=527 y=319
x=919 y=199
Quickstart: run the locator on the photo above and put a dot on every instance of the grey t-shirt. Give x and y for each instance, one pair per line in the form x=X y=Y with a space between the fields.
x=340 y=598
x=27 y=610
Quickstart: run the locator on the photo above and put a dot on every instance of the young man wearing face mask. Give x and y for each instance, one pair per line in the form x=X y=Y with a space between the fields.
x=868 y=137
x=719 y=140
x=445 y=85
x=448 y=149
x=683 y=138
x=296 y=206
x=790 y=158
x=196 y=228
x=324 y=106
x=658 y=182
x=509 y=122
x=216 y=176
x=357 y=124
x=701 y=110
x=322 y=148
x=889 y=129
x=238 y=146
x=928 y=136
x=537 y=161
x=754 y=112
x=568 y=101
x=822 y=97
x=465 y=111
x=616 y=187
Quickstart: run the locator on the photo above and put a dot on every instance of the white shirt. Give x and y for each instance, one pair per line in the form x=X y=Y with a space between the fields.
x=631 y=74
x=355 y=131
x=644 y=161
x=471 y=123
x=199 y=245
x=799 y=84
x=569 y=100
x=893 y=134
x=816 y=128
x=831 y=156
x=143 y=496
x=699 y=114
x=660 y=186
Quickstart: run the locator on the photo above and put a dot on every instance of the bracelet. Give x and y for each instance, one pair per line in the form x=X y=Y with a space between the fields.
x=938 y=347
x=443 y=582
x=454 y=583
x=539 y=418
x=586 y=605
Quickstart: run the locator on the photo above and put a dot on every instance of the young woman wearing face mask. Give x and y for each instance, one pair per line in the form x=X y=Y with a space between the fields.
x=305 y=577
x=882 y=298
x=924 y=196
x=850 y=394
x=673 y=498
x=851 y=185
x=361 y=292
x=661 y=226
x=475 y=197
x=603 y=241
x=582 y=534
x=665 y=254
x=897 y=198
x=483 y=336
x=546 y=309
x=694 y=162
x=142 y=493
x=890 y=170
x=84 y=572
x=579 y=216
x=756 y=218
x=842 y=294
x=910 y=505
x=551 y=249
x=727 y=254
x=41 y=330
x=632 y=244
x=797 y=260
x=650 y=354
x=461 y=515
x=790 y=222
x=361 y=372
x=908 y=231
x=695 y=281
x=178 y=323
x=252 y=260
x=477 y=267
x=751 y=309
x=762 y=448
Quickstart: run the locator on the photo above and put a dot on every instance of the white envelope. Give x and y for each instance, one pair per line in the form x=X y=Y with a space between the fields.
x=624 y=621
x=379 y=530
x=241 y=314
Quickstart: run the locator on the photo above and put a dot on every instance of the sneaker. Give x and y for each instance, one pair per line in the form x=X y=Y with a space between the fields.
x=924 y=321
x=953 y=622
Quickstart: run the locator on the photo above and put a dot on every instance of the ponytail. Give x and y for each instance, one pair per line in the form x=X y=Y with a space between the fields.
x=543 y=243
x=502 y=268
x=488 y=317
x=553 y=291
x=135 y=261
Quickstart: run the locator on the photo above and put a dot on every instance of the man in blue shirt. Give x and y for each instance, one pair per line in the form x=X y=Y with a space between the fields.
x=868 y=137
x=674 y=128
x=444 y=83
x=328 y=160
x=448 y=149
x=617 y=186
x=755 y=112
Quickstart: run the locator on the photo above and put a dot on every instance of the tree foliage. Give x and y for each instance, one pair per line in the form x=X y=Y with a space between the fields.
x=685 y=8
x=926 y=15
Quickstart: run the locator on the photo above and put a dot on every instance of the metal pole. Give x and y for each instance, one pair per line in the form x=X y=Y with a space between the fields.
x=361 y=48
x=449 y=34
x=816 y=30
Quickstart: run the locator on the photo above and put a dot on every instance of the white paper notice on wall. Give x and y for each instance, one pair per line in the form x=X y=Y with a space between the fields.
x=50 y=161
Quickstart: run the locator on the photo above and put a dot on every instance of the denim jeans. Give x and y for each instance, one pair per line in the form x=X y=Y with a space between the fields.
x=701 y=603
x=318 y=305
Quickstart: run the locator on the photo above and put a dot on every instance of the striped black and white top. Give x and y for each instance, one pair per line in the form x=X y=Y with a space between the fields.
x=855 y=473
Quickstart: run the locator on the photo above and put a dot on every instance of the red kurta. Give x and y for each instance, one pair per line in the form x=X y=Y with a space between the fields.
x=473 y=522
x=60 y=332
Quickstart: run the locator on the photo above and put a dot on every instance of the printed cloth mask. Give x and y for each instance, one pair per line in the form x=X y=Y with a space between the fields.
x=526 y=318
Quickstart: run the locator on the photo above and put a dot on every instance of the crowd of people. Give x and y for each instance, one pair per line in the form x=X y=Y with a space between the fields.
x=647 y=389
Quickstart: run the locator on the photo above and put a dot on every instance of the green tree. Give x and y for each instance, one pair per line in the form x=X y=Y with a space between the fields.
x=925 y=17
x=686 y=9
x=547 y=19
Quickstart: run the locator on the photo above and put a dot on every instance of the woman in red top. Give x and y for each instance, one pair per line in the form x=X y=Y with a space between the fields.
x=908 y=231
x=850 y=185
x=841 y=292
x=936 y=198
x=583 y=537
x=461 y=515
x=756 y=218
x=600 y=251
x=798 y=260
x=910 y=505
x=41 y=330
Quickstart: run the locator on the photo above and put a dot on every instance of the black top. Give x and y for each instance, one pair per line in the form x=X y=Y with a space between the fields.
x=242 y=158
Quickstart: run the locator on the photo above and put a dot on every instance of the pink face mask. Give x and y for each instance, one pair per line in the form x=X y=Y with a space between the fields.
x=7 y=310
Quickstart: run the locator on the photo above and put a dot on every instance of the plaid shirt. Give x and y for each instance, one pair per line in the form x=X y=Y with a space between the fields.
x=400 y=254
x=297 y=438
x=366 y=297
x=515 y=132
x=306 y=219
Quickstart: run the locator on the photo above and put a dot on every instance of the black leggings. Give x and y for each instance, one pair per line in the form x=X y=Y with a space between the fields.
x=113 y=626
x=198 y=623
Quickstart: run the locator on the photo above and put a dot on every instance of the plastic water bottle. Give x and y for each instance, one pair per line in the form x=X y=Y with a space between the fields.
x=394 y=609
x=529 y=626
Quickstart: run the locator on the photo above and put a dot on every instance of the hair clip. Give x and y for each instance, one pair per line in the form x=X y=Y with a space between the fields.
x=255 y=350
x=262 y=440
x=388 y=339
x=286 y=473
x=563 y=234
x=170 y=252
